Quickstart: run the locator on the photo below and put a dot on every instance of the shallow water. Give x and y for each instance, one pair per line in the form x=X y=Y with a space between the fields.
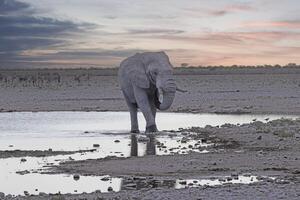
x=29 y=130
x=72 y=131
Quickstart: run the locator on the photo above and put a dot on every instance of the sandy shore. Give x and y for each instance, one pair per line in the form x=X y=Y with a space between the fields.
x=261 y=149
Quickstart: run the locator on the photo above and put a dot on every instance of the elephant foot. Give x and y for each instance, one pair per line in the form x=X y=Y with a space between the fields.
x=151 y=129
x=135 y=131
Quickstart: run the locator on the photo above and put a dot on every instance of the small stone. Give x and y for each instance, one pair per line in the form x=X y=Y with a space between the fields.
x=182 y=182
x=235 y=176
x=96 y=145
x=10 y=145
x=203 y=140
x=259 y=137
x=105 y=179
x=229 y=179
x=98 y=191
x=26 y=193
x=117 y=141
x=76 y=177
x=110 y=189
x=23 y=160
x=50 y=150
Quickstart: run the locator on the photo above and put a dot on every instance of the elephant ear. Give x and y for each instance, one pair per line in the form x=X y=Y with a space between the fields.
x=138 y=76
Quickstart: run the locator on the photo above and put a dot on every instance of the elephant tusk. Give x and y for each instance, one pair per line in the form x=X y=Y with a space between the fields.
x=160 y=96
x=180 y=90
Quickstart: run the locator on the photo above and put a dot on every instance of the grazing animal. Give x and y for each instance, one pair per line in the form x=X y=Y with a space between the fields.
x=147 y=82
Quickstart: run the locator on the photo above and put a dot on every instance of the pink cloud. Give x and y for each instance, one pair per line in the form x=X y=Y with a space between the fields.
x=273 y=24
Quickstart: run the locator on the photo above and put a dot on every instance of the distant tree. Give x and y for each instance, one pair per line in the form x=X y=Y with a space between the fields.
x=291 y=65
x=184 y=64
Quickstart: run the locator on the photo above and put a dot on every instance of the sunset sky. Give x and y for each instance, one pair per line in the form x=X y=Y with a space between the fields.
x=100 y=33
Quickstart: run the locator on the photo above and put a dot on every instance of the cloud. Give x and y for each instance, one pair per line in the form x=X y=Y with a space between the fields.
x=21 y=30
x=9 y=6
x=217 y=12
x=154 y=31
x=292 y=24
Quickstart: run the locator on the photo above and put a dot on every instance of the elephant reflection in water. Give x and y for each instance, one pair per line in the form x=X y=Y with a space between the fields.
x=150 y=145
x=147 y=82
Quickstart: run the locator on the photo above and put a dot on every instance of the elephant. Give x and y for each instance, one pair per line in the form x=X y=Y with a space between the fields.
x=147 y=82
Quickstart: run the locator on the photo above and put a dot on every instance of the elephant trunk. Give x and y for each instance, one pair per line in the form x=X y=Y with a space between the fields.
x=168 y=98
x=166 y=93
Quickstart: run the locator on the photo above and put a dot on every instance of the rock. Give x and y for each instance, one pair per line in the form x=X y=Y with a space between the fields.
x=229 y=179
x=96 y=145
x=23 y=172
x=23 y=160
x=182 y=182
x=26 y=193
x=235 y=176
x=76 y=177
x=105 y=179
x=42 y=194
x=110 y=189
x=2 y=195
x=259 y=137
x=50 y=150
x=117 y=141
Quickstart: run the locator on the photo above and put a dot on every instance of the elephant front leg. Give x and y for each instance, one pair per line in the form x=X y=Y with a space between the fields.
x=133 y=115
x=145 y=106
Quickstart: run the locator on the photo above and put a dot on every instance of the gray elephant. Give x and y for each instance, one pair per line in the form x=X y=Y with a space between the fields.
x=147 y=83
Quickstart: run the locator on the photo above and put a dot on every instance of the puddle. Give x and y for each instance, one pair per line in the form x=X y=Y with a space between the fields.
x=107 y=132
x=215 y=182
x=26 y=171
x=138 y=183
x=36 y=183
x=43 y=183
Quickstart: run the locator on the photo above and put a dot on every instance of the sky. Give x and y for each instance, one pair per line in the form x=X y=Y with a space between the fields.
x=101 y=33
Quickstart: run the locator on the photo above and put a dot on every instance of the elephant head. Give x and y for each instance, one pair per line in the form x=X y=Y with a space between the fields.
x=159 y=71
x=154 y=68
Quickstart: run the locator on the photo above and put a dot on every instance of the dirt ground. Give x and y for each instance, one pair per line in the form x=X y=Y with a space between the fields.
x=269 y=149
x=260 y=92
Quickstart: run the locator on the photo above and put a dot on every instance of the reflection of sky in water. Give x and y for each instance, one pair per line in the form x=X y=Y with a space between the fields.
x=74 y=124
x=214 y=182
x=108 y=147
